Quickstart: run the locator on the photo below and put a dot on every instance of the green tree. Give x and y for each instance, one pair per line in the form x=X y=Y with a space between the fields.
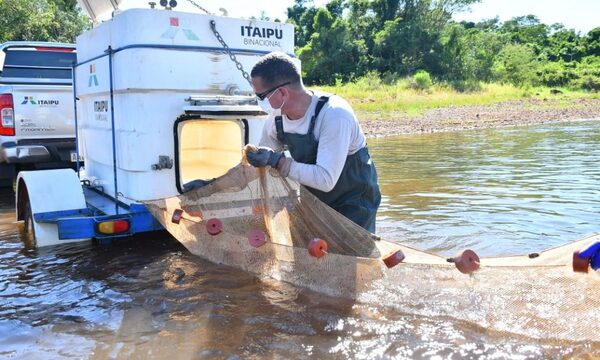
x=302 y=17
x=588 y=73
x=564 y=44
x=516 y=64
x=331 y=52
x=592 y=42
x=41 y=20
x=526 y=30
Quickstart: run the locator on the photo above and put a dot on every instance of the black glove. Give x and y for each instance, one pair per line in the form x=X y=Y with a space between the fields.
x=263 y=157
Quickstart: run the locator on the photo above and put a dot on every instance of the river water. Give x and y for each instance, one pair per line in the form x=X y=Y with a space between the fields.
x=502 y=191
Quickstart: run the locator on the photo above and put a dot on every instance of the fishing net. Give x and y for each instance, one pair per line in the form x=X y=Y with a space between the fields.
x=255 y=220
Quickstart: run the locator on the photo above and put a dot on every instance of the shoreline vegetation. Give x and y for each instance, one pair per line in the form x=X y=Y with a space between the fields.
x=398 y=109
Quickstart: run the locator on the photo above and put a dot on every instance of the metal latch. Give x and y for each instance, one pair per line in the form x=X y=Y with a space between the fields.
x=164 y=162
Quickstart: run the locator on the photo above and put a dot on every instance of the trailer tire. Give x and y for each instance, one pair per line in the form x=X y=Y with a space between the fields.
x=44 y=191
x=28 y=225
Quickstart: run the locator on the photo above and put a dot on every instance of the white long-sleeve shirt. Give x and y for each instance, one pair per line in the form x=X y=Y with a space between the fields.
x=338 y=132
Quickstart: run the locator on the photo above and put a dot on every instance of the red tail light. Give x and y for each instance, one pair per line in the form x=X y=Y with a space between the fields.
x=7 y=115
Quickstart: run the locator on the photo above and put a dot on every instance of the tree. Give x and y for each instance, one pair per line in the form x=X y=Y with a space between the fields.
x=526 y=30
x=302 y=17
x=516 y=64
x=41 y=20
x=592 y=42
x=564 y=44
x=331 y=52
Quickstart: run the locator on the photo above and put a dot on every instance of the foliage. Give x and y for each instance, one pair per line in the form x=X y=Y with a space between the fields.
x=422 y=80
x=588 y=74
x=331 y=53
x=394 y=38
x=41 y=20
x=516 y=64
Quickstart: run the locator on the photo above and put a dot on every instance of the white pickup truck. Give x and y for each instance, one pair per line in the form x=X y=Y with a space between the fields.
x=37 y=129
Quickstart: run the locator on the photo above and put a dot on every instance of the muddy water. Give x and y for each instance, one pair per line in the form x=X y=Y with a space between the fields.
x=146 y=297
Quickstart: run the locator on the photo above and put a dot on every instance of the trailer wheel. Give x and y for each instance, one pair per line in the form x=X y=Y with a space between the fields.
x=28 y=224
x=44 y=191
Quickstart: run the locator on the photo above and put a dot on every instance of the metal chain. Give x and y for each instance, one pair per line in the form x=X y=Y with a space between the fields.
x=213 y=26
x=239 y=65
x=199 y=7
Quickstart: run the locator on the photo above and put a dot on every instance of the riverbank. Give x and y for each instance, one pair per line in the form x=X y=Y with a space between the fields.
x=468 y=117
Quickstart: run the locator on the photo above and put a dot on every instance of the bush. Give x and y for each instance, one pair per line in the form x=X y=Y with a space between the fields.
x=370 y=80
x=587 y=74
x=422 y=80
x=555 y=74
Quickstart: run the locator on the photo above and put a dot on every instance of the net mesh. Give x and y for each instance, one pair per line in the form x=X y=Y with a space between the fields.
x=228 y=220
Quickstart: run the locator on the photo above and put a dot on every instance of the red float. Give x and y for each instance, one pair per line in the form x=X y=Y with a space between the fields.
x=257 y=238
x=394 y=259
x=177 y=215
x=214 y=226
x=580 y=264
x=467 y=262
x=317 y=247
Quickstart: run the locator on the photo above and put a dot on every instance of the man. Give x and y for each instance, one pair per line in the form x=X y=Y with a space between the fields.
x=327 y=146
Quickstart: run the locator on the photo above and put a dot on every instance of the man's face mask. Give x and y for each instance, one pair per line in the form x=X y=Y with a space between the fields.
x=263 y=99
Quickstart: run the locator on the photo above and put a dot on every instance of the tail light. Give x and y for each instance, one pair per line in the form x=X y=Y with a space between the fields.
x=113 y=227
x=7 y=115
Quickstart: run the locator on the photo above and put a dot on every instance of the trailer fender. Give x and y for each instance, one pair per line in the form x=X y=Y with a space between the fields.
x=43 y=191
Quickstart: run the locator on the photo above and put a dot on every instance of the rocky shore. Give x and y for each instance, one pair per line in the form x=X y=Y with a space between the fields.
x=504 y=114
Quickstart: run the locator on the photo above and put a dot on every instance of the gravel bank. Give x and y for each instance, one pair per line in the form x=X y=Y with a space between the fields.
x=504 y=114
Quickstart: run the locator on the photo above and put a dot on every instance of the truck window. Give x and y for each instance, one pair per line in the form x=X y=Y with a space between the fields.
x=25 y=63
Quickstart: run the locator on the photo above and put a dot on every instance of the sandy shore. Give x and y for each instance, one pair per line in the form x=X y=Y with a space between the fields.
x=505 y=114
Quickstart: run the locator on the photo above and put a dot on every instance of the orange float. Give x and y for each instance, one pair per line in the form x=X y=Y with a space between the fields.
x=394 y=259
x=467 y=262
x=580 y=264
x=177 y=215
x=317 y=247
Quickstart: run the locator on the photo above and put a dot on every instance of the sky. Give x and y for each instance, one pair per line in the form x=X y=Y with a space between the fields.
x=581 y=15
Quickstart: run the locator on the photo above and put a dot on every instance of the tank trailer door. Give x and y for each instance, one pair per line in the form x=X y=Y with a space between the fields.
x=210 y=136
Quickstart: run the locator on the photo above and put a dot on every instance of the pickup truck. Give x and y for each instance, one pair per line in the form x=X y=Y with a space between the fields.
x=37 y=128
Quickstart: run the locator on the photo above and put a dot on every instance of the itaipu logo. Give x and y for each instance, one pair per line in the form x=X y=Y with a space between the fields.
x=174 y=28
x=28 y=100
x=93 y=79
x=254 y=35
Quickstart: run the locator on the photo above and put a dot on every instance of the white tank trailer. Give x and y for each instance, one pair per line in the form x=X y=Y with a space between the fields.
x=161 y=106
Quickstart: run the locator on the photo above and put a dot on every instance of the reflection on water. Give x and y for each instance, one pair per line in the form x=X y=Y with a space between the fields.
x=147 y=297
x=499 y=191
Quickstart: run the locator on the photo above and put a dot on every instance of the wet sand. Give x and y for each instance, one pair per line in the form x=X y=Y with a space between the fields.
x=504 y=114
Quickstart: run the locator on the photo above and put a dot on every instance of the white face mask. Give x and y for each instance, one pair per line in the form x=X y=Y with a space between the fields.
x=266 y=105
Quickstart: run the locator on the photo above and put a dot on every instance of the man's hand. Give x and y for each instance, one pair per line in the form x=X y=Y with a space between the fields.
x=263 y=156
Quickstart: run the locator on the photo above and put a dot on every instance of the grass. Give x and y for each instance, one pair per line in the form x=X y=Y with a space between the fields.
x=372 y=99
